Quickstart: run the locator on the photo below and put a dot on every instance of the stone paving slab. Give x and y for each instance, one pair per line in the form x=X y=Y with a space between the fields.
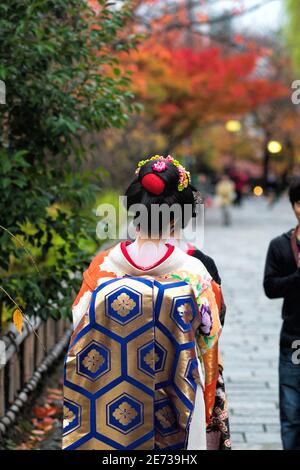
x=250 y=340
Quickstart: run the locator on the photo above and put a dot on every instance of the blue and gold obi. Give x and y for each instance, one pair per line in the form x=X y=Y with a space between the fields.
x=131 y=370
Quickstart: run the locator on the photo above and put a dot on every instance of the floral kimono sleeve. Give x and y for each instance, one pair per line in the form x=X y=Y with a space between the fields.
x=210 y=328
x=207 y=341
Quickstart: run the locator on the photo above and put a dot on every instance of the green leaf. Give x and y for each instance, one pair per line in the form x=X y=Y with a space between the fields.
x=5 y=182
x=64 y=83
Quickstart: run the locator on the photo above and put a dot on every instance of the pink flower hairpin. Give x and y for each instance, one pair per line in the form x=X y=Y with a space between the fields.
x=159 y=166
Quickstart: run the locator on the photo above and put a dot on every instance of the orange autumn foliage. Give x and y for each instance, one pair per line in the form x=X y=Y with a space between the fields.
x=183 y=79
x=184 y=88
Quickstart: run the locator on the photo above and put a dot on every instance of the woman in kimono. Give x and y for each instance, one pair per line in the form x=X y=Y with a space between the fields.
x=142 y=366
x=218 y=430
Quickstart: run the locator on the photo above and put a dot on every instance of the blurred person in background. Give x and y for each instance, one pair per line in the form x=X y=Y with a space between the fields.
x=241 y=181
x=273 y=188
x=225 y=192
x=296 y=171
x=207 y=189
x=282 y=280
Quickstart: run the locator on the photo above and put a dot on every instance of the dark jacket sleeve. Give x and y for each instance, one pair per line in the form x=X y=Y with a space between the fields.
x=276 y=284
x=209 y=264
x=215 y=273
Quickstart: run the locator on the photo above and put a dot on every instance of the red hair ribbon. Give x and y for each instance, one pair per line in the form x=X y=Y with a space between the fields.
x=153 y=183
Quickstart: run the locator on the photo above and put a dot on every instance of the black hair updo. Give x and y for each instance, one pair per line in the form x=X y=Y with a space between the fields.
x=136 y=193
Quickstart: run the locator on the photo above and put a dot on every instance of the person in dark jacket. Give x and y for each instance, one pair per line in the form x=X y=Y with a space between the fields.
x=282 y=280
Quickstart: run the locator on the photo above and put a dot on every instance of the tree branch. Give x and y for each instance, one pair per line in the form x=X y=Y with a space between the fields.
x=218 y=19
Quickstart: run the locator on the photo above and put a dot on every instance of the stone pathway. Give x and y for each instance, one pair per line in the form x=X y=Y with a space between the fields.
x=250 y=338
x=39 y=426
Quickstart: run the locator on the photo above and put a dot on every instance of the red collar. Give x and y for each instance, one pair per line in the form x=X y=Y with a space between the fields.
x=142 y=268
x=191 y=249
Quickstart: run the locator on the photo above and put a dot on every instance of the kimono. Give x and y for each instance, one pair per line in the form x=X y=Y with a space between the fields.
x=218 y=430
x=143 y=355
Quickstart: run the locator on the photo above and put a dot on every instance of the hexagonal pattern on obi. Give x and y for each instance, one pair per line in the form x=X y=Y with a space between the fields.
x=76 y=419
x=192 y=373
x=72 y=416
x=93 y=361
x=166 y=417
x=125 y=413
x=151 y=358
x=123 y=305
x=184 y=311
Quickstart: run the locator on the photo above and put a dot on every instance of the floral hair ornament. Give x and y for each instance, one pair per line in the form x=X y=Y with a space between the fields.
x=160 y=165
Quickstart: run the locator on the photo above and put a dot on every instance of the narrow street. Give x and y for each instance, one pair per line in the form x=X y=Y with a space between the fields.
x=251 y=334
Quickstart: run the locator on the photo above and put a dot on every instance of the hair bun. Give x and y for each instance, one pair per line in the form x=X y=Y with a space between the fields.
x=153 y=183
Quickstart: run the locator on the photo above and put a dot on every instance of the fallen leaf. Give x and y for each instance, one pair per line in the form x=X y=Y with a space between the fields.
x=24 y=446
x=48 y=420
x=55 y=391
x=38 y=432
x=54 y=398
x=18 y=320
x=40 y=412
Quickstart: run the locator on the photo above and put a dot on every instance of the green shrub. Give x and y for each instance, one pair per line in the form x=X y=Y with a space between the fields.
x=60 y=67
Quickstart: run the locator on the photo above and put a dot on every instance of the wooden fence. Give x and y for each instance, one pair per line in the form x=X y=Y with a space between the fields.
x=25 y=361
